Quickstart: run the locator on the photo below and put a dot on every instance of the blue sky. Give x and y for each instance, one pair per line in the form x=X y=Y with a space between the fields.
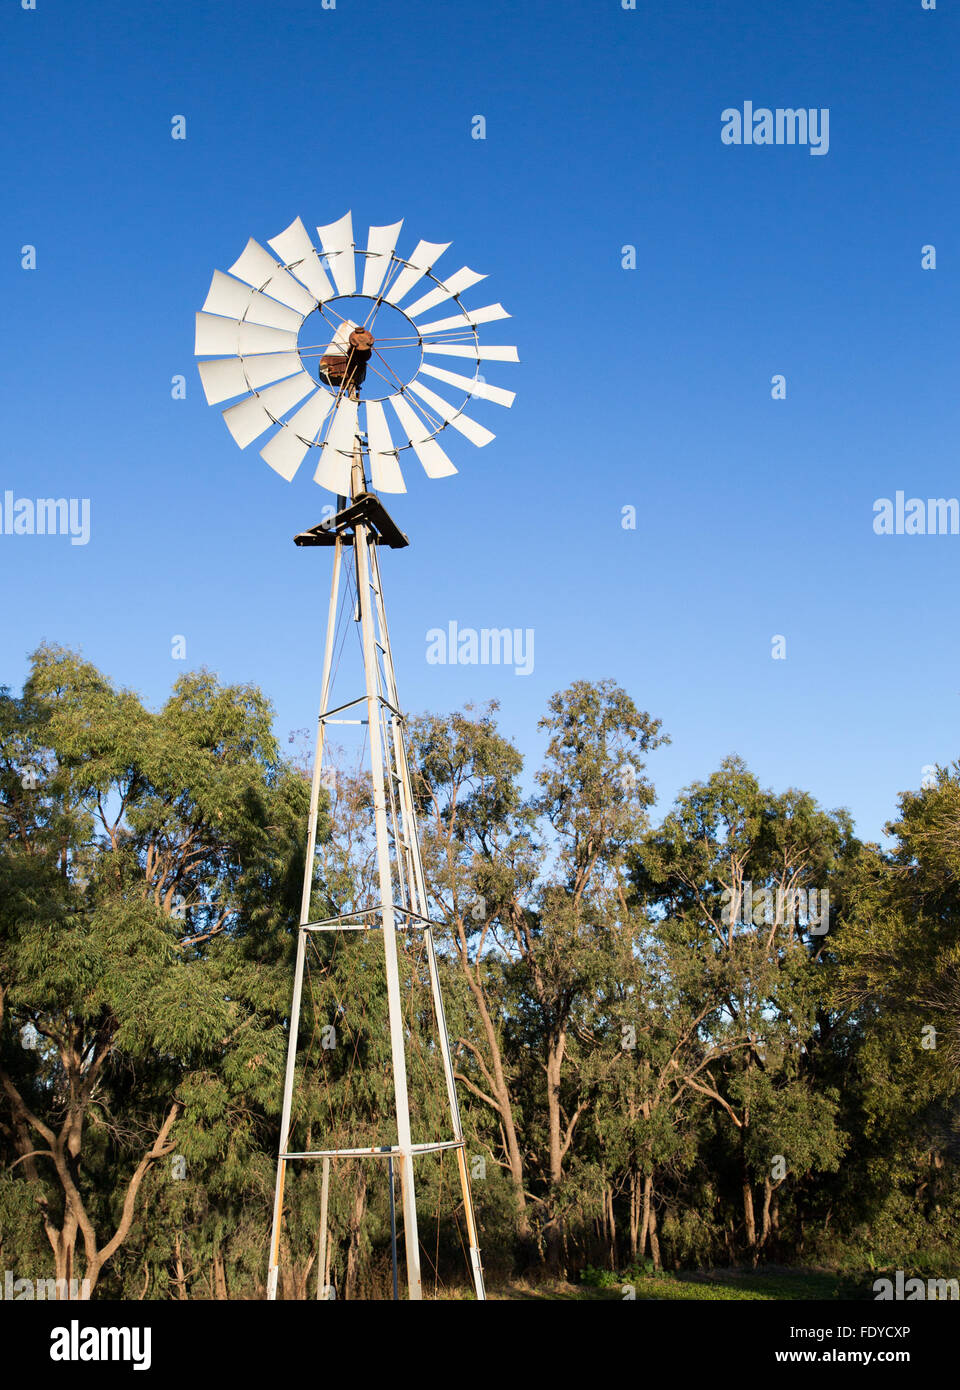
x=648 y=387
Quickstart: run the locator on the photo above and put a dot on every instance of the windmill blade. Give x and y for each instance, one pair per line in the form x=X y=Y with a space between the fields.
x=217 y=337
x=422 y=260
x=474 y=432
x=337 y=243
x=471 y=385
x=343 y=428
x=462 y=280
x=465 y=320
x=260 y=270
x=380 y=247
x=307 y=420
x=251 y=417
x=428 y=451
x=294 y=245
x=224 y=377
x=286 y=450
x=333 y=471
x=235 y=300
x=384 y=466
x=336 y=453
x=481 y=354
x=339 y=344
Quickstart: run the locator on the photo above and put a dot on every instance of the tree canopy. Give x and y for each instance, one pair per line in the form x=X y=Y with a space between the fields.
x=727 y=1034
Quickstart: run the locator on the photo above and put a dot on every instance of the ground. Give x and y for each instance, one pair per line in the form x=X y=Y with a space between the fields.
x=772 y=1284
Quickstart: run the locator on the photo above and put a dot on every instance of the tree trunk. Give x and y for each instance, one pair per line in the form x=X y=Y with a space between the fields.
x=554 y=1226
x=179 y=1272
x=765 y=1221
x=730 y=1240
x=219 y=1276
x=611 y=1225
x=554 y=1064
x=355 y=1222
x=64 y=1243
x=654 y=1242
x=749 y=1219
x=501 y=1090
x=648 y=1227
x=645 y=1227
x=635 y=1206
x=64 y=1149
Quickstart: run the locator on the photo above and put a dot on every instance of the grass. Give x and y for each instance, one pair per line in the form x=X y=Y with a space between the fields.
x=774 y=1284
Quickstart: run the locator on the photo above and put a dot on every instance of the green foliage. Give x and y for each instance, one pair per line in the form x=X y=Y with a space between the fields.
x=650 y=1081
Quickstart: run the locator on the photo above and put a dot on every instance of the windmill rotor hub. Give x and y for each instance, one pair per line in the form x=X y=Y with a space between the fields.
x=369 y=341
x=348 y=370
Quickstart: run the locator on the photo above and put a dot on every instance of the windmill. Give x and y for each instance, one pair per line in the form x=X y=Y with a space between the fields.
x=300 y=350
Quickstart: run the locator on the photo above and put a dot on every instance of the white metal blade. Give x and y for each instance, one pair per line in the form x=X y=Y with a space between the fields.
x=483 y=354
x=336 y=454
x=337 y=242
x=251 y=417
x=235 y=300
x=339 y=345
x=471 y=385
x=384 y=465
x=295 y=245
x=462 y=280
x=224 y=377
x=422 y=260
x=466 y=320
x=286 y=450
x=380 y=246
x=333 y=471
x=474 y=432
x=260 y=270
x=428 y=451
x=216 y=337
x=307 y=420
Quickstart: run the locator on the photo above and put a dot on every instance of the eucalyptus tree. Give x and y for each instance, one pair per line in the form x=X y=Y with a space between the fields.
x=726 y=881
x=481 y=861
x=147 y=877
x=530 y=892
x=594 y=795
x=899 y=980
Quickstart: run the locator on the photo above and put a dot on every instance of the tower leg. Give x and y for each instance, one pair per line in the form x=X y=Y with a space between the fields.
x=308 y=873
x=410 y=1234
x=322 y=1286
x=393 y=1229
x=418 y=891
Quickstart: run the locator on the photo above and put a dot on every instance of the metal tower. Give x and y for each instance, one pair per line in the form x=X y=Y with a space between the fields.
x=362 y=525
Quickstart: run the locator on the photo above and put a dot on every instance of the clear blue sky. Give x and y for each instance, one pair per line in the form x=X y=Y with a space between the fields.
x=646 y=387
